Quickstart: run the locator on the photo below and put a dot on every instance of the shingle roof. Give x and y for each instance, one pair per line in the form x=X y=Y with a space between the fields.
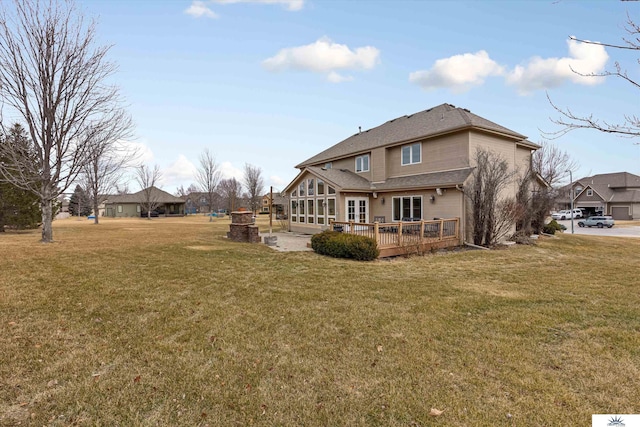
x=612 y=180
x=437 y=120
x=348 y=180
x=434 y=179
x=342 y=178
x=157 y=194
x=629 y=196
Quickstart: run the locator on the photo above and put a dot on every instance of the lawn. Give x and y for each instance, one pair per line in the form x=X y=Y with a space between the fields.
x=165 y=322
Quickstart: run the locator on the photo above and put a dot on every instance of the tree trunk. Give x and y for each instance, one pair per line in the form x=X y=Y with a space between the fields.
x=47 y=221
x=95 y=210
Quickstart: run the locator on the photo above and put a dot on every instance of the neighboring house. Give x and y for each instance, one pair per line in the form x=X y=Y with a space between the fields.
x=410 y=168
x=198 y=202
x=130 y=205
x=616 y=194
x=279 y=205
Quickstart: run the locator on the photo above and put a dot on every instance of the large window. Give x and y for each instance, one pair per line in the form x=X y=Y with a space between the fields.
x=362 y=163
x=320 y=210
x=310 y=206
x=294 y=211
x=320 y=187
x=311 y=189
x=301 y=189
x=331 y=208
x=407 y=208
x=411 y=154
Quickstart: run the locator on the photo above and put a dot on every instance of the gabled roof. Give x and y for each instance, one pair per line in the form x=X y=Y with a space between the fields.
x=159 y=195
x=438 y=120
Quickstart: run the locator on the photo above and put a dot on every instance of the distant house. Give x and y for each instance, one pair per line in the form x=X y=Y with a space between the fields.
x=616 y=194
x=198 y=202
x=411 y=168
x=131 y=205
x=279 y=205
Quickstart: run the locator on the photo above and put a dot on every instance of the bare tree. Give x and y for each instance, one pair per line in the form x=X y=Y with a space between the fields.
x=254 y=184
x=122 y=188
x=108 y=159
x=54 y=77
x=147 y=178
x=552 y=163
x=208 y=177
x=492 y=215
x=629 y=126
x=231 y=190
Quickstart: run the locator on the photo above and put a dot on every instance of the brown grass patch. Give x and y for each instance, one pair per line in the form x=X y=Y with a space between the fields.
x=118 y=324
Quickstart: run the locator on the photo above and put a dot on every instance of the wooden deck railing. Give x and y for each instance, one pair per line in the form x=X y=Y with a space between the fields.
x=394 y=238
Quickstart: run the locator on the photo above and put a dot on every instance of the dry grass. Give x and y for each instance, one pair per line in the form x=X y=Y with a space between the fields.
x=165 y=322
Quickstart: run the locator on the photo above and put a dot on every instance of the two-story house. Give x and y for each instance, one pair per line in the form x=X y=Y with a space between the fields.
x=616 y=194
x=410 y=168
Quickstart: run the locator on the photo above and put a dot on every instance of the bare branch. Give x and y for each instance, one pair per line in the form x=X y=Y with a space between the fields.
x=53 y=77
x=208 y=176
x=147 y=178
x=254 y=184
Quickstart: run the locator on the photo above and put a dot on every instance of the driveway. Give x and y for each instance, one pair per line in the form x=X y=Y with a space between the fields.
x=616 y=230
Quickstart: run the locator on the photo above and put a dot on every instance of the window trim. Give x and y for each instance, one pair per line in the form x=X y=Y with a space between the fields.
x=411 y=160
x=589 y=192
x=412 y=198
x=361 y=158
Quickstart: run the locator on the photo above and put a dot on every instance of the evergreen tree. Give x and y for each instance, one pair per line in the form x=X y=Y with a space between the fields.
x=79 y=203
x=18 y=207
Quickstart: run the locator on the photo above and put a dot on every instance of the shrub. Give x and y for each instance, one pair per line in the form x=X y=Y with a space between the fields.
x=552 y=227
x=521 y=238
x=345 y=245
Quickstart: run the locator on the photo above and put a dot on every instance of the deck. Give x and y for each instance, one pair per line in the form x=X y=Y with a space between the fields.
x=406 y=237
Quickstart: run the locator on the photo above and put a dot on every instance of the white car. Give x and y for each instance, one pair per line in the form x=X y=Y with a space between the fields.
x=566 y=214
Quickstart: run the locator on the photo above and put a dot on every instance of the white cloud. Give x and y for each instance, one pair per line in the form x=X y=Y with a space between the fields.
x=458 y=73
x=334 y=77
x=137 y=151
x=179 y=172
x=276 y=181
x=324 y=57
x=541 y=73
x=199 y=9
x=230 y=171
x=292 y=5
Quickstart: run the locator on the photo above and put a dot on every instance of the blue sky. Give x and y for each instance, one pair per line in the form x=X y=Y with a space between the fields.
x=273 y=82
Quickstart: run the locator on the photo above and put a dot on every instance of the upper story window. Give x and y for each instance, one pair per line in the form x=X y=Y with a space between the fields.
x=362 y=163
x=411 y=154
x=311 y=187
x=320 y=187
x=301 y=189
x=589 y=192
x=328 y=165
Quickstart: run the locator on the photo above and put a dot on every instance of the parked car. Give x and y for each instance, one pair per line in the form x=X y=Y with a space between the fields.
x=597 y=221
x=566 y=214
